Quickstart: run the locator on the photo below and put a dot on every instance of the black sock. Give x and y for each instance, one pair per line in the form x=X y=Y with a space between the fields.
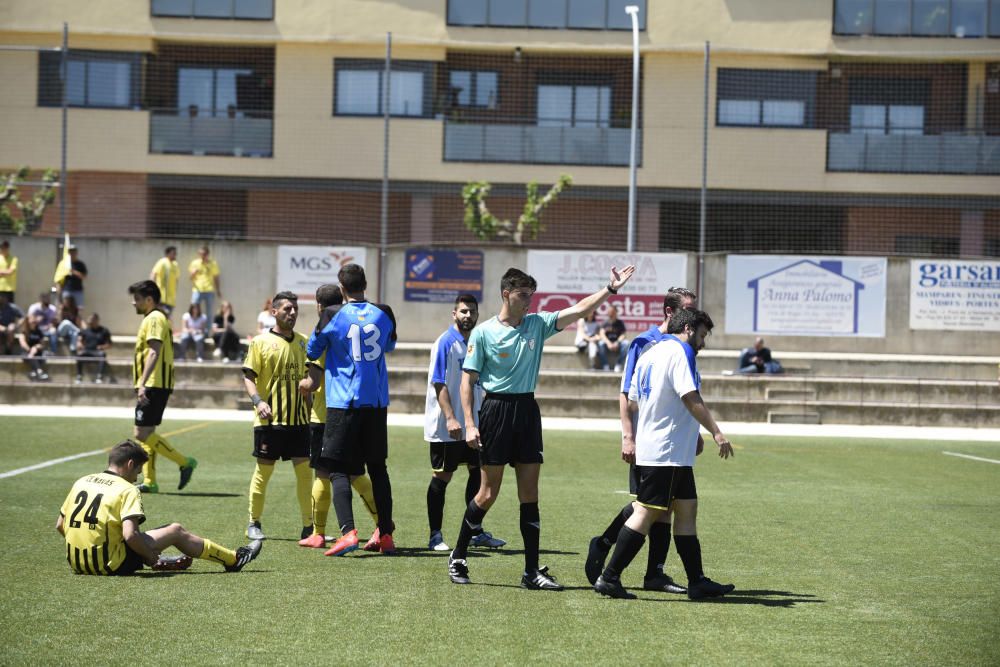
x=615 y=527
x=689 y=549
x=471 y=522
x=435 y=503
x=342 y=502
x=472 y=486
x=382 y=491
x=659 y=545
x=531 y=531
x=627 y=545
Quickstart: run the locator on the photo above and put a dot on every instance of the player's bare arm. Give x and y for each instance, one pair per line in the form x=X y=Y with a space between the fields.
x=469 y=380
x=259 y=405
x=444 y=400
x=152 y=358
x=698 y=409
x=137 y=543
x=583 y=307
x=59 y=525
x=312 y=381
x=626 y=409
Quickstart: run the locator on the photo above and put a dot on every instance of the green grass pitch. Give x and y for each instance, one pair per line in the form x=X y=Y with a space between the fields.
x=842 y=551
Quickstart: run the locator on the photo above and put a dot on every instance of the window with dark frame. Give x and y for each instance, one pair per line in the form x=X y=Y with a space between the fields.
x=358 y=88
x=95 y=79
x=546 y=14
x=248 y=10
x=917 y=18
x=474 y=88
x=765 y=98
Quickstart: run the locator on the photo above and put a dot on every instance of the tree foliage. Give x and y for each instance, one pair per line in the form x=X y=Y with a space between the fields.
x=487 y=226
x=26 y=215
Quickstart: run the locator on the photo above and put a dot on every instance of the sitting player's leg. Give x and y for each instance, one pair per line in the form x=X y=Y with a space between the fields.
x=175 y=535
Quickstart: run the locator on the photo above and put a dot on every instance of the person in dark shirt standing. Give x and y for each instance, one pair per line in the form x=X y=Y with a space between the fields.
x=72 y=285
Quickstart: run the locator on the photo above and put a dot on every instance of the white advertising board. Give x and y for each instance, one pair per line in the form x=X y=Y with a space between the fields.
x=303 y=268
x=955 y=295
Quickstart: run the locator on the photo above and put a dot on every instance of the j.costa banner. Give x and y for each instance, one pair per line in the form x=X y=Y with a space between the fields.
x=566 y=277
x=806 y=296
x=955 y=295
x=303 y=268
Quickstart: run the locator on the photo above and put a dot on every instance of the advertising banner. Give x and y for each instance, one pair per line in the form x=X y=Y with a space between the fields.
x=566 y=277
x=438 y=276
x=955 y=295
x=303 y=268
x=806 y=296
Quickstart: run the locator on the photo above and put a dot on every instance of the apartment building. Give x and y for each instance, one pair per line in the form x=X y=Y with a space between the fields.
x=833 y=126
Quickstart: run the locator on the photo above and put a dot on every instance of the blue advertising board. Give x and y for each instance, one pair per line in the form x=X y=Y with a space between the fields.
x=438 y=276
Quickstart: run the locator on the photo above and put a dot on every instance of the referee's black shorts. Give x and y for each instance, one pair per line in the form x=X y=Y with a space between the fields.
x=659 y=486
x=510 y=430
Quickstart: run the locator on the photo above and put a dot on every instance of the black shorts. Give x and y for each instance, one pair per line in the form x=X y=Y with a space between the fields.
x=281 y=442
x=510 y=429
x=132 y=564
x=447 y=456
x=315 y=443
x=661 y=485
x=151 y=414
x=354 y=438
x=633 y=479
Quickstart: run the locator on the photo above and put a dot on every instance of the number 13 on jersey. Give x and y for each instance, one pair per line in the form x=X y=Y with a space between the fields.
x=372 y=349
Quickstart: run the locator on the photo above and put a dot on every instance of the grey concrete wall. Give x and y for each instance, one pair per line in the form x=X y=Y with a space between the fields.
x=248 y=277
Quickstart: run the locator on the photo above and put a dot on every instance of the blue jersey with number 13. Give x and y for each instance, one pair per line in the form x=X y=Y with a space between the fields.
x=355 y=337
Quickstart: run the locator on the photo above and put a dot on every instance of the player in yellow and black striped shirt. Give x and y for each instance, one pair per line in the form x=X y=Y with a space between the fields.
x=274 y=366
x=100 y=520
x=153 y=378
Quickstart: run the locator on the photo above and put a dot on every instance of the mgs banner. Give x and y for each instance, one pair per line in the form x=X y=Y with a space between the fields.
x=566 y=277
x=303 y=268
x=955 y=295
x=806 y=296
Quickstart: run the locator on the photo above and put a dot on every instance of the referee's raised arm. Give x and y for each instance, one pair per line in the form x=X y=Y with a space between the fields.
x=583 y=307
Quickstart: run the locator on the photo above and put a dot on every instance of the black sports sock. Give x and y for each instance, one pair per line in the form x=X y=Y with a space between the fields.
x=472 y=486
x=659 y=545
x=435 y=503
x=628 y=544
x=472 y=521
x=615 y=527
x=382 y=491
x=531 y=531
x=689 y=549
x=342 y=502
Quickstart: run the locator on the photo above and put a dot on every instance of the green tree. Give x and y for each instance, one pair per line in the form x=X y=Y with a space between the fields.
x=26 y=215
x=487 y=226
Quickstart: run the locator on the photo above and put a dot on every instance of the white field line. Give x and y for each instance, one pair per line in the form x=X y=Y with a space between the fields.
x=46 y=464
x=970 y=457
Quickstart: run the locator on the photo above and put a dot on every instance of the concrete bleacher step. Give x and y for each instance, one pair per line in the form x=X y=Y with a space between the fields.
x=783 y=394
x=779 y=417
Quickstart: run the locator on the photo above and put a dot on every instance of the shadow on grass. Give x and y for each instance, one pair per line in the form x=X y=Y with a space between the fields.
x=151 y=574
x=764 y=598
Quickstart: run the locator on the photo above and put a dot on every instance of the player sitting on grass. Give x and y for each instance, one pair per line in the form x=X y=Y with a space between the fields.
x=100 y=520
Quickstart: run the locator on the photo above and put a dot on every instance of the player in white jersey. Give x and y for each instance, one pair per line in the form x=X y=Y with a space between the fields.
x=666 y=394
x=444 y=422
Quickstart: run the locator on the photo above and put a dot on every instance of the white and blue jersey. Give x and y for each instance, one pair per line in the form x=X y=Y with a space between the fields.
x=666 y=433
x=447 y=355
x=639 y=345
x=355 y=337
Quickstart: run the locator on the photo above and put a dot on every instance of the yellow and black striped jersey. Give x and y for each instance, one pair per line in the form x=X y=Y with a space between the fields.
x=318 y=413
x=155 y=326
x=93 y=513
x=279 y=364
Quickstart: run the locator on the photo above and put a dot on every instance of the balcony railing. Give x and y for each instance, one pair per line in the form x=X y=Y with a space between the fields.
x=189 y=132
x=947 y=153
x=534 y=144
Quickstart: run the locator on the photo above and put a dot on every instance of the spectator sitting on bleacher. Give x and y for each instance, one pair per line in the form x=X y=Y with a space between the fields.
x=94 y=343
x=33 y=343
x=44 y=309
x=227 y=341
x=69 y=323
x=193 y=331
x=265 y=320
x=11 y=318
x=613 y=341
x=757 y=359
x=587 y=337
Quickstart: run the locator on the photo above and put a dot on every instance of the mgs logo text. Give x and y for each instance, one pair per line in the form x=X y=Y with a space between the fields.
x=959 y=274
x=313 y=263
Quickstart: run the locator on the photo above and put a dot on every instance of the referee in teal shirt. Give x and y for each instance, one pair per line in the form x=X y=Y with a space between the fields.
x=505 y=354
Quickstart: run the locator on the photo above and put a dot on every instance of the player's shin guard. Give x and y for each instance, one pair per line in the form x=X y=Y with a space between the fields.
x=382 y=490
x=627 y=545
x=472 y=523
x=689 y=549
x=435 y=503
x=615 y=527
x=303 y=491
x=321 y=494
x=475 y=481
x=363 y=486
x=217 y=554
x=165 y=449
x=342 y=502
x=659 y=545
x=258 y=489
x=531 y=530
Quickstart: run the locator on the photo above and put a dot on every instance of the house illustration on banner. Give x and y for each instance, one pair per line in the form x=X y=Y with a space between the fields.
x=806 y=297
